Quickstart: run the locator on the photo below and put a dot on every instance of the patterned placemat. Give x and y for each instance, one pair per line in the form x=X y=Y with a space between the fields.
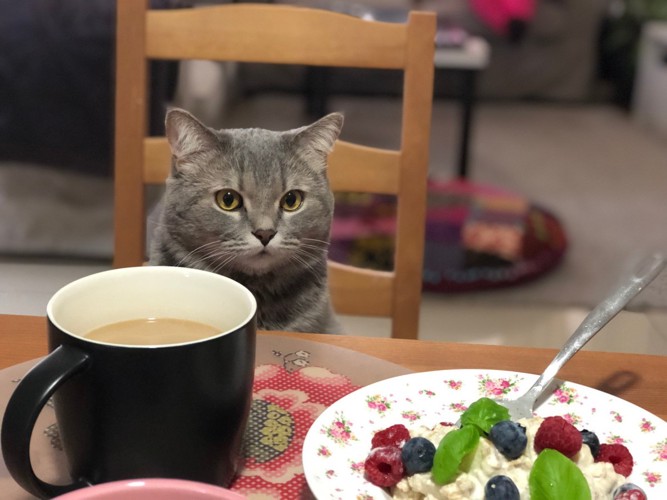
x=295 y=381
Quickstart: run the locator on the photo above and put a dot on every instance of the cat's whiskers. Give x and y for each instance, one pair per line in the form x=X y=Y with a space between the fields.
x=323 y=242
x=216 y=259
x=200 y=258
x=306 y=265
x=306 y=246
x=301 y=256
x=311 y=251
x=227 y=260
x=196 y=250
x=207 y=259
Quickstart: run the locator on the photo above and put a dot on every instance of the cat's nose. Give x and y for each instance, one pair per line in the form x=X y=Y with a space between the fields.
x=264 y=235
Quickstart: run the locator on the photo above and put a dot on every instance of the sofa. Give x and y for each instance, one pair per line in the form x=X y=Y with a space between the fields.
x=56 y=125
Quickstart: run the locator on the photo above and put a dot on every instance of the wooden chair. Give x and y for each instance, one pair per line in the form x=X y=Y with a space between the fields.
x=290 y=35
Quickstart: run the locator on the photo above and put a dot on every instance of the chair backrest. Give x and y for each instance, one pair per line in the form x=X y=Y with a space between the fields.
x=289 y=35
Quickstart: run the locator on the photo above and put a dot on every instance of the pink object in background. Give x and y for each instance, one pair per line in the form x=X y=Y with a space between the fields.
x=152 y=489
x=498 y=14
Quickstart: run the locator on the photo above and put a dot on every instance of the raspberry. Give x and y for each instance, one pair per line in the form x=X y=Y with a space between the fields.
x=417 y=455
x=558 y=434
x=396 y=435
x=509 y=438
x=383 y=466
x=617 y=455
x=629 y=491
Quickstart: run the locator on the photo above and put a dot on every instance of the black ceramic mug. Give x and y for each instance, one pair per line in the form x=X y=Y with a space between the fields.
x=139 y=407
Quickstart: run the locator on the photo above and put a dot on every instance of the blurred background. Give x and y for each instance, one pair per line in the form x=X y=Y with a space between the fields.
x=557 y=107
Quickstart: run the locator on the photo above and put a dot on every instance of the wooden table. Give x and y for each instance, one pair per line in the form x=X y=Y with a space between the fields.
x=637 y=378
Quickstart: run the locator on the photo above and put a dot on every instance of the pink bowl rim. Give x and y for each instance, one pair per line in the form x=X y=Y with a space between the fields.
x=155 y=485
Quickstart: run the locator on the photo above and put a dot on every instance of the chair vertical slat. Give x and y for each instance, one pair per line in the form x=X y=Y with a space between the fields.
x=411 y=209
x=157 y=160
x=130 y=129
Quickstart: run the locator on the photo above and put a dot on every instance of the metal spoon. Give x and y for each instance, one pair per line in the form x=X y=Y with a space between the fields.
x=523 y=406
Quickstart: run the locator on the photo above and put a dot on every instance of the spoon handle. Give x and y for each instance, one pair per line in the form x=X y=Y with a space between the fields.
x=599 y=317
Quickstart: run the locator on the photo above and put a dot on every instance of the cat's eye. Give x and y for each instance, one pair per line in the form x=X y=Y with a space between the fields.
x=228 y=199
x=291 y=201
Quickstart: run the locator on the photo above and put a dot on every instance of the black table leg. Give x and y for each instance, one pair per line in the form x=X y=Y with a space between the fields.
x=468 y=102
x=316 y=91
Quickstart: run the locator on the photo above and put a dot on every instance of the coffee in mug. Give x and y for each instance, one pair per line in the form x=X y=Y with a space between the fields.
x=152 y=331
x=170 y=401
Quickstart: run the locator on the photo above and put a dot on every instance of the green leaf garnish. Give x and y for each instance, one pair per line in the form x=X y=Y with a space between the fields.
x=484 y=414
x=555 y=477
x=452 y=451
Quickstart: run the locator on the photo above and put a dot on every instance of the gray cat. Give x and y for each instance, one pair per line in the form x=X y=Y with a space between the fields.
x=254 y=205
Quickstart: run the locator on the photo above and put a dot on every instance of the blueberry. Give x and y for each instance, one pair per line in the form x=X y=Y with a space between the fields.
x=629 y=490
x=591 y=439
x=501 y=488
x=509 y=438
x=417 y=455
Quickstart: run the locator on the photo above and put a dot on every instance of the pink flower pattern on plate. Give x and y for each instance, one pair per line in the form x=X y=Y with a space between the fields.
x=616 y=439
x=339 y=431
x=660 y=451
x=496 y=387
x=572 y=418
x=652 y=478
x=357 y=467
x=646 y=426
x=458 y=407
x=565 y=395
x=378 y=403
x=411 y=415
x=453 y=384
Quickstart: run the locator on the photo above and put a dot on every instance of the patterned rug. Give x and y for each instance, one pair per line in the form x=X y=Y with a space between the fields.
x=477 y=236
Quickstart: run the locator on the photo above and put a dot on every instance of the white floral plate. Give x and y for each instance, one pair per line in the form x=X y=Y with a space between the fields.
x=338 y=442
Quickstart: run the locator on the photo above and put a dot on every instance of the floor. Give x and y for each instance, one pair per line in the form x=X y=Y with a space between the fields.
x=26 y=285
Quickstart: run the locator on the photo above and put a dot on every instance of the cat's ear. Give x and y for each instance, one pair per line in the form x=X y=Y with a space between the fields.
x=186 y=134
x=318 y=139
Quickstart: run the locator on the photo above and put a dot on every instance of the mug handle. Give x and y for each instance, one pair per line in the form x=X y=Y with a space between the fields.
x=23 y=408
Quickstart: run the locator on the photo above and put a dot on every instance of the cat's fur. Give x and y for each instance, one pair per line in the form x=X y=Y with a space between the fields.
x=288 y=275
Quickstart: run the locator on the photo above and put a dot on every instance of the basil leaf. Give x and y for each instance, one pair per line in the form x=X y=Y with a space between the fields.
x=484 y=414
x=555 y=477
x=452 y=450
